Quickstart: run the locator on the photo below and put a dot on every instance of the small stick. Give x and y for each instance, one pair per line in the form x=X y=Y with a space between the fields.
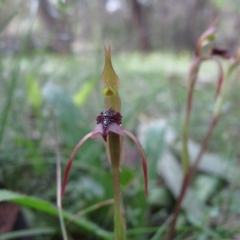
x=58 y=178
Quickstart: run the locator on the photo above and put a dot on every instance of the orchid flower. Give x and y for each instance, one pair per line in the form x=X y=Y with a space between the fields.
x=108 y=121
x=108 y=125
x=204 y=51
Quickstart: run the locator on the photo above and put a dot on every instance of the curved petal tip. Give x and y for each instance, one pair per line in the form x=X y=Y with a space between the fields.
x=144 y=162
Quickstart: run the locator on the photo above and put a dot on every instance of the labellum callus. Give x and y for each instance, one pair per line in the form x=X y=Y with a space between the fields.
x=107 y=118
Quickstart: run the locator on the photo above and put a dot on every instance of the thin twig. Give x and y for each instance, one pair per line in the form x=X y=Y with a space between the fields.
x=58 y=178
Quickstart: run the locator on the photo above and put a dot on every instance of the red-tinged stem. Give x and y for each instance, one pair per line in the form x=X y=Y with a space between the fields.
x=192 y=79
x=188 y=178
x=119 y=230
x=204 y=146
x=220 y=79
x=115 y=149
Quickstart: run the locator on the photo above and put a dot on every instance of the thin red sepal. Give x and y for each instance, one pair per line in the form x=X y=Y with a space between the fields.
x=144 y=162
x=220 y=77
x=70 y=161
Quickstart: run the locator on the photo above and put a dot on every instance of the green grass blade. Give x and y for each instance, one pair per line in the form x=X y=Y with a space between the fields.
x=44 y=206
x=8 y=103
x=26 y=233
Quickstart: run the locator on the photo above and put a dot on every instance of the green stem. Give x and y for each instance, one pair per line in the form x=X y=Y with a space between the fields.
x=62 y=224
x=115 y=147
x=192 y=79
x=119 y=230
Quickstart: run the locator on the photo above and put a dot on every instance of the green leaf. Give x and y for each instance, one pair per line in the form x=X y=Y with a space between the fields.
x=81 y=96
x=26 y=233
x=67 y=113
x=33 y=92
x=170 y=170
x=205 y=186
x=153 y=136
x=44 y=206
x=214 y=164
x=160 y=197
x=127 y=175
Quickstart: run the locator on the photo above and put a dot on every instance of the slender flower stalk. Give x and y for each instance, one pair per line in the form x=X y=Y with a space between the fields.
x=109 y=127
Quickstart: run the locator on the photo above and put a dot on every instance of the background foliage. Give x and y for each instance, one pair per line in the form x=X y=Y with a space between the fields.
x=51 y=58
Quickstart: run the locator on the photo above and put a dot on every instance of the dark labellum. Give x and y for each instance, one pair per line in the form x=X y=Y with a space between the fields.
x=221 y=53
x=108 y=117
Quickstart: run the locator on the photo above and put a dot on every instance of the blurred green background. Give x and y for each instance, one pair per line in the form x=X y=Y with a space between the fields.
x=51 y=59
